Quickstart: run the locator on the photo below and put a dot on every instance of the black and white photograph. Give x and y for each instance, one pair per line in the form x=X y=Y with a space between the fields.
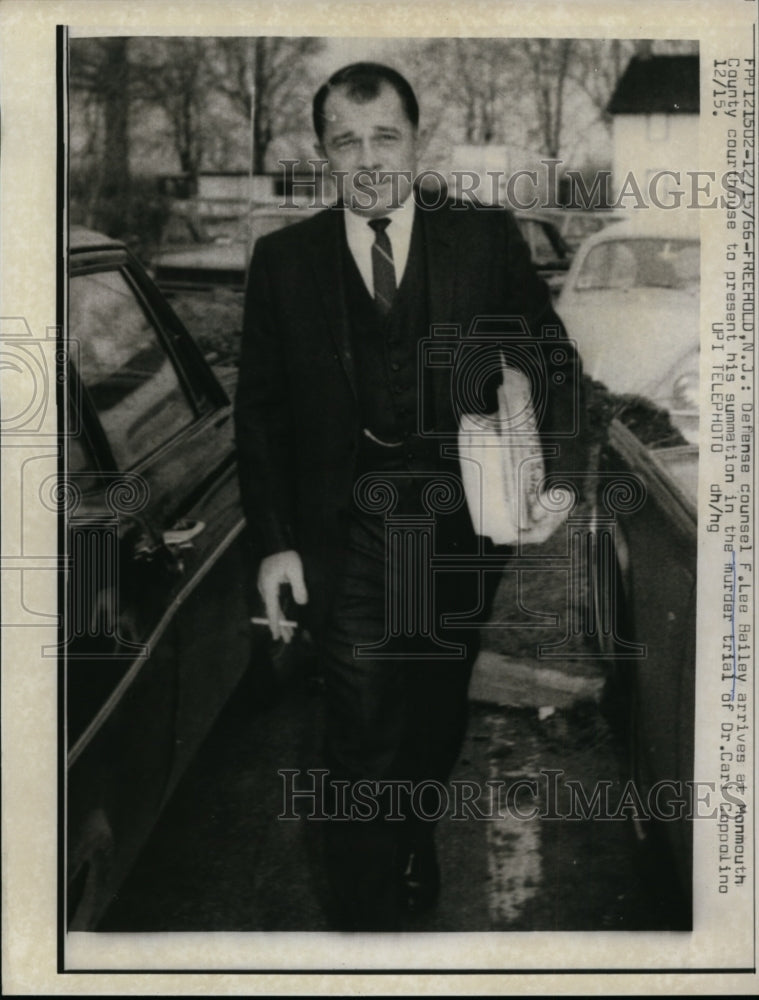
x=396 y=441
x=268 y=374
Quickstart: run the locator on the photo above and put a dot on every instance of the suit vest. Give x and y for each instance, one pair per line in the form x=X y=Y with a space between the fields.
x=386 y=358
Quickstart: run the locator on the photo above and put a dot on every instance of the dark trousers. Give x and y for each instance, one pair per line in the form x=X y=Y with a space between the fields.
x=394 y=714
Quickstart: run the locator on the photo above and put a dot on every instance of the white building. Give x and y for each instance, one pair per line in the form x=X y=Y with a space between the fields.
x=655 y=109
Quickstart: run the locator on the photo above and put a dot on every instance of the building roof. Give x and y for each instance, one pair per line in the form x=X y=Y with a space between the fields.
x=657 y=85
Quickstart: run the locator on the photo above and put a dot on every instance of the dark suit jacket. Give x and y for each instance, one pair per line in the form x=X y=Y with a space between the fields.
x=296 y=411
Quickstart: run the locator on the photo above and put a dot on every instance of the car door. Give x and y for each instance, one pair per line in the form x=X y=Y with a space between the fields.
x=656 y=549
x=153 y=463
x=201 y=525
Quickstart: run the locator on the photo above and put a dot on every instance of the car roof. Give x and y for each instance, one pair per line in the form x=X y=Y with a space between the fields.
x=81 y=238
x=561 y=211
x=675 y=224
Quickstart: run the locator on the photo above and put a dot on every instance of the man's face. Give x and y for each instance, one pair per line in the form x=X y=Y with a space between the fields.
x=365 y=140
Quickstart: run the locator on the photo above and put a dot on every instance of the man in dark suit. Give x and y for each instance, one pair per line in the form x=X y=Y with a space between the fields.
x=346 y=432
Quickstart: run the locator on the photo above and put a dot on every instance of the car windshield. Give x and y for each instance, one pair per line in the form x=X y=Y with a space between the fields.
x=682 y=464
x=646 y=262
x=543 y=240
x=579 y=225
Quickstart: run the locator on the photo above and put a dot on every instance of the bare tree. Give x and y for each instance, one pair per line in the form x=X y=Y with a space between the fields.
x=546 y=64
x=174 y=74
x=100 y=73
x=484 y=90
x=268 y=79
x=596 y=70
x=427 y=66
x=473 y=76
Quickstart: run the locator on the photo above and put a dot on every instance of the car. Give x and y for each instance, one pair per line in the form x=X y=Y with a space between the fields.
x=550 y=252
x=643 y=574
x=221 y=261
x=158 y=601
x=631 y=303
x=575 y=225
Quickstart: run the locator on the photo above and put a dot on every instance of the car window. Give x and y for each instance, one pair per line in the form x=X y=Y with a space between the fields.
x=129 y=376
x=540 y=244
x=544 y=248
x=580 y=226
x=641 y=263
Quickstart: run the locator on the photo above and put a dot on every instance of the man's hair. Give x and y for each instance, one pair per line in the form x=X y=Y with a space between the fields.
x=363 y=81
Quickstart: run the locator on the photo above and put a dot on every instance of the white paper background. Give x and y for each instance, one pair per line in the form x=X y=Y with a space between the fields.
x=723 y=935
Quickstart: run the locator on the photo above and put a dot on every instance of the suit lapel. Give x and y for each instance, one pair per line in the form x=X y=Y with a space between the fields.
x=441 y=264
x=442 y=278
x=326 y=256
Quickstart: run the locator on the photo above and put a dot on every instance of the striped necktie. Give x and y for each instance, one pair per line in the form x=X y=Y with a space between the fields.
x=383 y=268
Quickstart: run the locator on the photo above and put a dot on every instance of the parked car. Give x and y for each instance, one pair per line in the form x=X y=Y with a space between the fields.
x=158 y=602
x=631 y=302
x=643 y=590
x=576 y=224
x=550 y=252
x=223 y=260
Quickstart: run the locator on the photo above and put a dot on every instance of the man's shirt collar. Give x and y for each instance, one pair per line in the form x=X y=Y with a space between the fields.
x=360 y=237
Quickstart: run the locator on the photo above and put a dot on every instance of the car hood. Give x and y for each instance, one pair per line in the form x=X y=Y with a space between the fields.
x=631 y=341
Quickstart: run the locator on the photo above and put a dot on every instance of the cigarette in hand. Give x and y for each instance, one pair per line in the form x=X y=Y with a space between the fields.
x=265 y=621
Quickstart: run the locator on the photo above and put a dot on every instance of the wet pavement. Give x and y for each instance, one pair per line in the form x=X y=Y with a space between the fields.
x=220 y=859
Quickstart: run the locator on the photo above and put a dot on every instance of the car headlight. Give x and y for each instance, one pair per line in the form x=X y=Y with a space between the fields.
x=685 y=394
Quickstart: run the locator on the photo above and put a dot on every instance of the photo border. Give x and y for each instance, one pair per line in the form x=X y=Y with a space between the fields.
x=27 y=903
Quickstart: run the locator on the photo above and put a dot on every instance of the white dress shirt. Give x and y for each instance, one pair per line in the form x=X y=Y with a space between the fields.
x=360 y=237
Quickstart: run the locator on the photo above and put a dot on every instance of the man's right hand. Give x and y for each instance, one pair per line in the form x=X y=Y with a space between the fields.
x=276 y=570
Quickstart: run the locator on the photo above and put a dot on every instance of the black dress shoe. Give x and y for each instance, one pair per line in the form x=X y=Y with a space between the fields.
x=420 y=878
